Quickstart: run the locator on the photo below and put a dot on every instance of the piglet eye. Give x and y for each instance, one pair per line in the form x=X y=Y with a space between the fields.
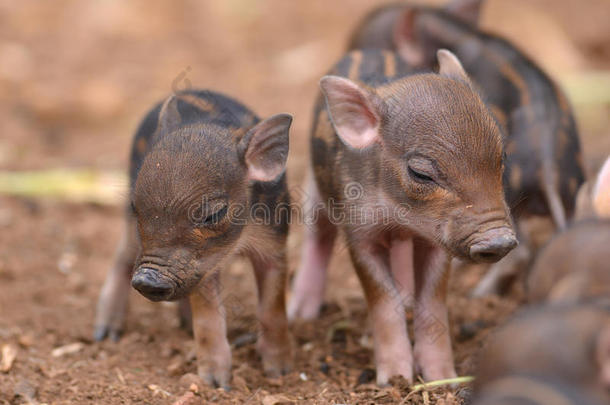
x=419 y=176
x=215 y=217
x=132 y=208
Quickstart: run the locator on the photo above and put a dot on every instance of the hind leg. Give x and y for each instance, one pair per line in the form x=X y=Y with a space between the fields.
x=273 y=343
x=113 y=300
x=432 y=349
x=310 y=279
x=401 y=264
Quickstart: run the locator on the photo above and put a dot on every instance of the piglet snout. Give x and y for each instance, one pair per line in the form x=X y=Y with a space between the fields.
x=148 y=282
x=493 y=245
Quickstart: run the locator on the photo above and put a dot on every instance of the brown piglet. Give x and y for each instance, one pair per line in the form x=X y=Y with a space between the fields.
x=575 y=265
x=543 y=157
x=548 y=355
x=200 y=161
x=409 y=167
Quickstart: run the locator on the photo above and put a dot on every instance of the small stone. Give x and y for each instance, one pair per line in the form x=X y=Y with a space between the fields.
x=9 y=353
x=67 y=349
x=307 y=346
x=158 y=391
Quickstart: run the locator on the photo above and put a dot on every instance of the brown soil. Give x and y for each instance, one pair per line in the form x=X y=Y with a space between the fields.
x=75 y=78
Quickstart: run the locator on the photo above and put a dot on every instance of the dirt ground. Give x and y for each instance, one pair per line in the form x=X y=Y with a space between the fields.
x=75 y=79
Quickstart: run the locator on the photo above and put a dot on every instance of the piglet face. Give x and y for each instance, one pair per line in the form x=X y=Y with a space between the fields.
x=441 y=155
x=185 y=201
x=191 y=199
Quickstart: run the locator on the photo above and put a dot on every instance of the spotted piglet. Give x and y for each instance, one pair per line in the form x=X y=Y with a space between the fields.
x=544 y=163
x=200 y=161
x=409 y=167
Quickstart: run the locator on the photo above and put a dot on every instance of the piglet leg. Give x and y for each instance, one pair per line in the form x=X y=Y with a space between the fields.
x=274 y=343
x=393 y=354
x=112 y=304
x=432 y=349
x=401 y=263
x=210 y=331
x=310 y=279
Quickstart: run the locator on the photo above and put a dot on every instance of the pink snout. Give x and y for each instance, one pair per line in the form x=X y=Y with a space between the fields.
x=493 y=245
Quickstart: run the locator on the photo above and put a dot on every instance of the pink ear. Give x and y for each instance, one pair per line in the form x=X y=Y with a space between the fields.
x=466 y=10
x=265 y=148
x=405 y=38
x=352 y=112
x=449 y=65
x=601 y=191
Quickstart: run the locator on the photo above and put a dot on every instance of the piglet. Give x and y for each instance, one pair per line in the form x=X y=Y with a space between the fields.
x=409 y=167
x=200 y=161
x=548 y=355
x=543 y=163
x=575 y=265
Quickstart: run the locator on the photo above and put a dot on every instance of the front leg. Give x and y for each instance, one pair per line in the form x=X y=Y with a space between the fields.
x=433 y=352
x=210 y=331
x=114 y=297
x=273 y=343
x=393 y=354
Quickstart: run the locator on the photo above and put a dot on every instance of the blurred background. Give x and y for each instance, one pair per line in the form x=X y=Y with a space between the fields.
x=75 y=79
x=77 y=76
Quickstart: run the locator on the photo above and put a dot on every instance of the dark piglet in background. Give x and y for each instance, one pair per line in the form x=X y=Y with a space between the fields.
x=398 y=162
x=548 y=356
x=199 y=162
x=543 y=164
x=575 y=265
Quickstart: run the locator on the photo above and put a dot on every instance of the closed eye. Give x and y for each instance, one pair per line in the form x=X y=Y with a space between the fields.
x=419 y=176
x=215 y=217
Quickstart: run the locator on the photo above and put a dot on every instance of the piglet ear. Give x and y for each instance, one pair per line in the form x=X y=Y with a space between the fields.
x=450 y=66
x=468 y=11
x=169 y=117
x=264 y=148
x=601 y=191
x=405 y=39
x=352 y=111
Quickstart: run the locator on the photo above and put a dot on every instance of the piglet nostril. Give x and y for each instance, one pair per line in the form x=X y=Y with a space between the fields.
x=494 y=248
x=150 y=285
